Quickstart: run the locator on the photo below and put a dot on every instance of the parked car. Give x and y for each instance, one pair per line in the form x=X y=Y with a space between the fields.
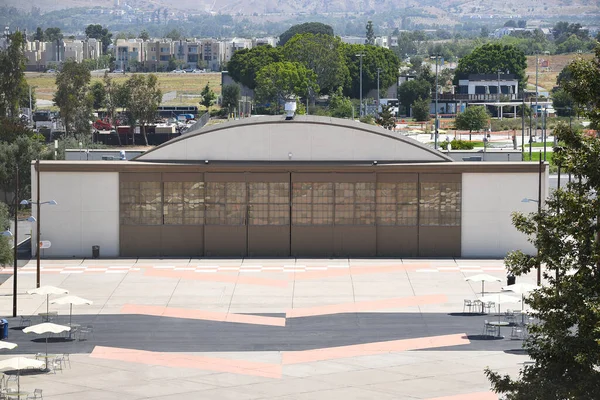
x=189 y=70
x=199 y=71
x=178 y=71
x=51 y=71
x=118 y=71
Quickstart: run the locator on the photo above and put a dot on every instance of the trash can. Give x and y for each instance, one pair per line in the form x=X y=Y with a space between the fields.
x=511 y=279
x=95 y=251
x=3 y=329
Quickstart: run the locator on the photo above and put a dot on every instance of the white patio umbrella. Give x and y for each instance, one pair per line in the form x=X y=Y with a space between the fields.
x=19 y=363
x=483 y=278
x=499 y=298
x=48 y=290
x=523 y=289
x=7 y=345
x=78 y=301
x=46 y=327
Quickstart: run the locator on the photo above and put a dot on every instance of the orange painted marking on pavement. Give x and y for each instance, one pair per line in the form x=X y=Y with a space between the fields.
x=366 y=305
x=178 y=360
x=470 y=396
x=362 y=270
x=332 y=353
x=201 y=314
x=249 y=280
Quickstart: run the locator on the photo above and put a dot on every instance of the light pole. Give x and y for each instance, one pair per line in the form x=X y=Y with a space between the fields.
x=378 y=99
x=498 y=97
x=435 y=140
x=15 y=240
x=361 y=105
x=539 y=212
x=536 y=93
x=37 y=218
x=544 y=116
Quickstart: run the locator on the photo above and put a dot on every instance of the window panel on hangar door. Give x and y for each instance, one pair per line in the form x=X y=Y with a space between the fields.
x=269 y=203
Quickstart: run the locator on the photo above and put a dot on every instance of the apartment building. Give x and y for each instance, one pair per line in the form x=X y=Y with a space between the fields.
x=40 y=55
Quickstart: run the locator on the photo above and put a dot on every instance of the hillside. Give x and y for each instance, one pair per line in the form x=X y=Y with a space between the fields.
x=479 y=10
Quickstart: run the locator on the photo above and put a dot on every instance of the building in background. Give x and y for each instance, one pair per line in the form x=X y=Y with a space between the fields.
x=306 y=187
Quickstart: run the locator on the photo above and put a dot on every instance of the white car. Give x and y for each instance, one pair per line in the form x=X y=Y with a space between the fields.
x=118 y=71
x=199 y=71
x=178 y=71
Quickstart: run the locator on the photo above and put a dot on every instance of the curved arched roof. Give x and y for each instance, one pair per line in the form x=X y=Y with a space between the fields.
x=304 y=138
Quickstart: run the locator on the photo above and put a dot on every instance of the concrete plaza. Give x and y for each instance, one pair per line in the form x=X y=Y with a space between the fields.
x=267 y=329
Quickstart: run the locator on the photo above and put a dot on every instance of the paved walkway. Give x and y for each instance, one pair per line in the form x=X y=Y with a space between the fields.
x=267 y=329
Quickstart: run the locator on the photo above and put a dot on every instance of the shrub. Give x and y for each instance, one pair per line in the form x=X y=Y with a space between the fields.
x=458 y=145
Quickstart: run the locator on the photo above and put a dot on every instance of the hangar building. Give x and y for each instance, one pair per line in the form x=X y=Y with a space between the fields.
x=271 y=187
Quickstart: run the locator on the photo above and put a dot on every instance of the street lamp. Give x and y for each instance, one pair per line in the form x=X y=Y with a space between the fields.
x=435 y=140
x=29 y=202
x=378 y=99
x=539 y=211
x=361 y=105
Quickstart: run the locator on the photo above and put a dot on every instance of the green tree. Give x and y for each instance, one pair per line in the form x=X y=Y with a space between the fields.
x=563 y=103
x=144 y=97
x=420 y=109
x=563 y=344
x=231 y=96
x=53 y=34
x=490 y=58
x=484 y=32
x=370 y=34
x=6 y=252
x=71 y=96
x=112 y=100
x=373 y=58
x=39 y=35
x=282 y=81
x=385 y=118
x=474 y=118
x=339 y=105
x=172 y=65
x=12 y=76
x=316 y=28
x=582 y=83
x=323 y=55
x=98 y=92
x=174 y=34
x=96 y=31
x=208 y=97
x=511 y=23
x=144 y=35
x=410 y=91
x=245 y=63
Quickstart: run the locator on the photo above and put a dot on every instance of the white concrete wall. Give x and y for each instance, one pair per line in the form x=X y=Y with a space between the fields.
x=488 y=200
x=87 y=213
x=306 y=142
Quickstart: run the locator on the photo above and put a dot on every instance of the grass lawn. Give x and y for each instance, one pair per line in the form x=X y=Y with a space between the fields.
x=183 y=84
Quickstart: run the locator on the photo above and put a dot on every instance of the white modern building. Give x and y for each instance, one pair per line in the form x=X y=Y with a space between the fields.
x=306 y=187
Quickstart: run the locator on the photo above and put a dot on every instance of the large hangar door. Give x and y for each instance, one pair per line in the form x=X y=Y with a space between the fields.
x=226 y=215
x=268 y=214
x=397 y=215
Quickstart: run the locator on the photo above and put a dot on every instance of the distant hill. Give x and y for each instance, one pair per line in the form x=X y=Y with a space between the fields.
x=445 y=12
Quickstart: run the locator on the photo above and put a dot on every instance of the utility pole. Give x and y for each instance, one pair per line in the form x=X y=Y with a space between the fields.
x=361 y=105
x=15 y=243
x=536 y=93
x=435 y=140
x=378 y=99
x=498 y=98
x=39 y=237
x=522 y=126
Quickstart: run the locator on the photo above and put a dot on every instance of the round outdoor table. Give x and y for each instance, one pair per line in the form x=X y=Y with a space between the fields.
x=46 y=357
x=499 y=324
x=17 y=395
x=47 y=315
